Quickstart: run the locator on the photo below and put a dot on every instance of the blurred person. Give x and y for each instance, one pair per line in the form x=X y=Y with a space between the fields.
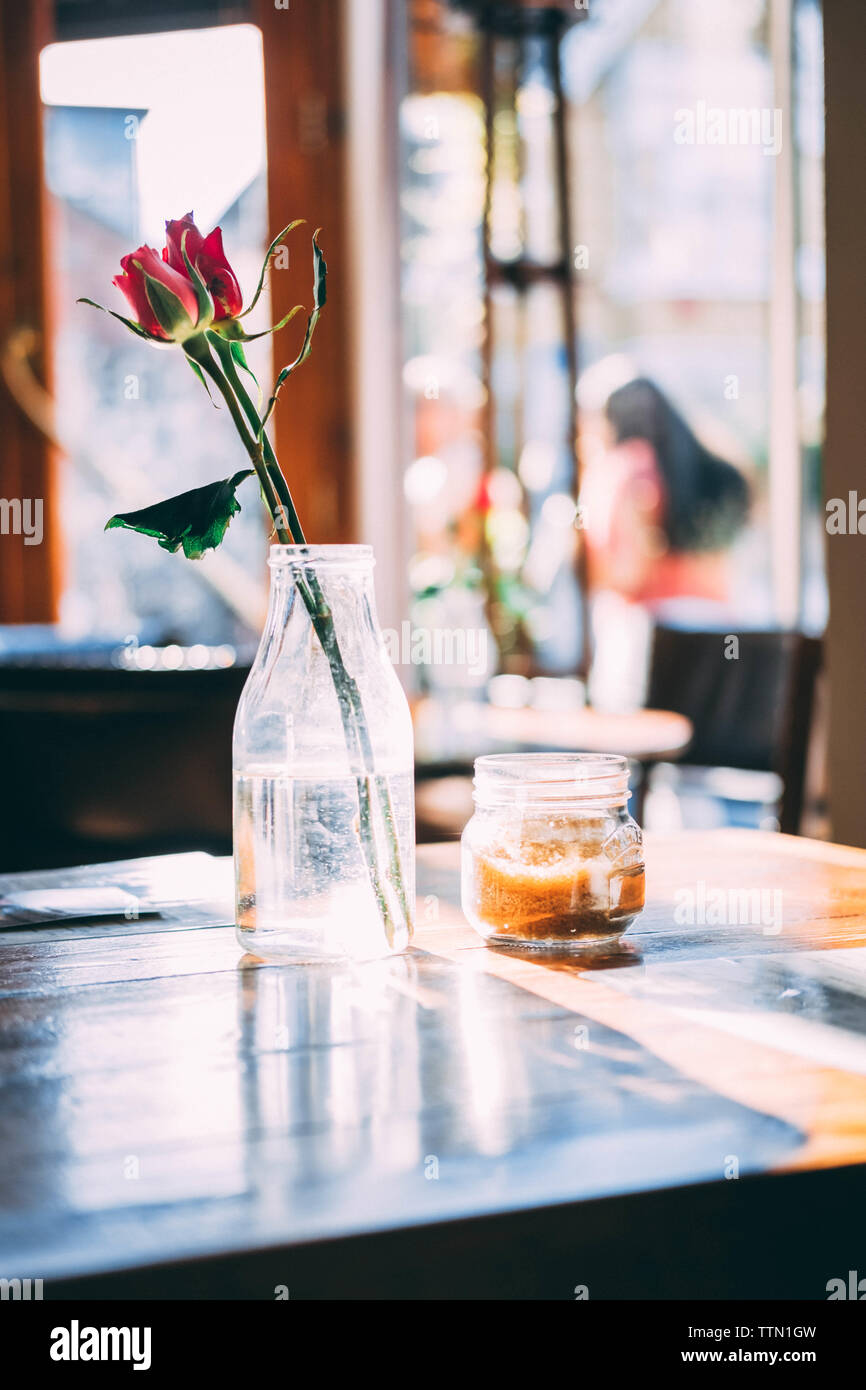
x=660 y=511
x=659 y=515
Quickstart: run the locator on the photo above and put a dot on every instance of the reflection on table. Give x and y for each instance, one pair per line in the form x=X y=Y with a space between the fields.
x=401 y=1129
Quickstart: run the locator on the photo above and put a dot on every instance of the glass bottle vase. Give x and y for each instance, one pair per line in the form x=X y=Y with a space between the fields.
x=324 y=825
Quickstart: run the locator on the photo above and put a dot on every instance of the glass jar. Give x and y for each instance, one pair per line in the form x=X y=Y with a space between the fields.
x=324 y=821
x=551 y=859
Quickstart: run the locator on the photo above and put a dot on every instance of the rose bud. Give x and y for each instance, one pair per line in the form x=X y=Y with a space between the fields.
x=209 y=259
x=163 y=301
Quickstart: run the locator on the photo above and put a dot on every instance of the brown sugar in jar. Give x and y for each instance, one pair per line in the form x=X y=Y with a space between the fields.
x=551 y=858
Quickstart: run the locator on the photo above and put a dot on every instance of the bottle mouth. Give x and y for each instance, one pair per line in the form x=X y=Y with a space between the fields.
x=551 y=780
x=321 y=557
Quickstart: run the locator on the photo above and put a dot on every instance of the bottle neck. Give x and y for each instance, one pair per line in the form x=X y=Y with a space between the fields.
x=323 y=581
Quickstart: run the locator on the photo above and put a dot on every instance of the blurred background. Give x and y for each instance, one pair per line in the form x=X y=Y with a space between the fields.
x=570 y=384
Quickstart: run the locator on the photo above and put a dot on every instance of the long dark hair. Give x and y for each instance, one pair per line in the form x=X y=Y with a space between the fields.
x=707 y=498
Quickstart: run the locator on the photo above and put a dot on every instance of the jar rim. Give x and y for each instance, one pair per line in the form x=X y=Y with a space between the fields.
x=551 y=779
x=333 y=556
x=529 y=766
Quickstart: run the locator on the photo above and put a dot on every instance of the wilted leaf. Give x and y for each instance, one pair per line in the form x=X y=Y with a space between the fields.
x=320 y=273
x=266 y=262
x=232 y=330
x=196 y=520
x=129 y=323
x=320 y=281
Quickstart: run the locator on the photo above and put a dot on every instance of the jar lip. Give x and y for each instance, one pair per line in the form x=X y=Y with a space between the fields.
x=551 y=779
x=551 y=767
x=333 y=556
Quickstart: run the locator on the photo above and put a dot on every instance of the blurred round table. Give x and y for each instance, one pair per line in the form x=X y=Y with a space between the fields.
x=451 y=734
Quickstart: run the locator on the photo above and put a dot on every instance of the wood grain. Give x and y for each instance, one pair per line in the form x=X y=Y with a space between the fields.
x=163 y=1099
x=699 y=988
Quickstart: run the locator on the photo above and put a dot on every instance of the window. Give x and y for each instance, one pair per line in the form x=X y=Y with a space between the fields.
x=126 y=146
x=694 y=137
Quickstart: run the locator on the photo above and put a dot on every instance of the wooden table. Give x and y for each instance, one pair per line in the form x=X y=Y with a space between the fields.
x=685 y=1116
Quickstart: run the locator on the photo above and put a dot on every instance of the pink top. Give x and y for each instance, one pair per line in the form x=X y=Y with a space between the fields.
x=623 y=500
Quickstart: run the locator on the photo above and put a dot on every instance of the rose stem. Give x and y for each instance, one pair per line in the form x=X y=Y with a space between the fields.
x=322 y=621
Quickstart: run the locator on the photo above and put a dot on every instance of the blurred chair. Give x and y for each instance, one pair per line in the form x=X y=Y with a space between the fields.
x=105 y=764
x=752 y=711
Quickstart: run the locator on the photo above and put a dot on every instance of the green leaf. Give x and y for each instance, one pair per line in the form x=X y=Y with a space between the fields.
x=266 y=262
x=239 y=356
x=202 y=378
x=237 y=351
x=196 y=520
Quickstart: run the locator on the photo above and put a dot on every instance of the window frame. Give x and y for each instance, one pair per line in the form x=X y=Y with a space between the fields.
x=29 y=574
x=306 y=117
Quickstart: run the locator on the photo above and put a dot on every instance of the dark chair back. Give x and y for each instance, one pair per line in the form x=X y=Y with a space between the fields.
x=750 y=710
x=107 y=764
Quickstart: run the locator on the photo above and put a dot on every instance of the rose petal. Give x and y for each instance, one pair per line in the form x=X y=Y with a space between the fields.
x=152 y=264
x=214 y=269
x=173 y=253
x=133 y=287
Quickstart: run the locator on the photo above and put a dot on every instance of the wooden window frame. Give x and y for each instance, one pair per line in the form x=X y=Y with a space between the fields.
x=306 y=83
x=844 y=55
x=29 y=574
x=307 y=142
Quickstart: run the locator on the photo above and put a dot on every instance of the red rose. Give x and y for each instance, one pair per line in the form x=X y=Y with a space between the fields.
x=174 y=323
x=191 y=290
x=209 y=259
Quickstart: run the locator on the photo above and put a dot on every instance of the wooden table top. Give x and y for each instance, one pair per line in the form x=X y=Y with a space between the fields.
x=495 y=1120
x=457 y=731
